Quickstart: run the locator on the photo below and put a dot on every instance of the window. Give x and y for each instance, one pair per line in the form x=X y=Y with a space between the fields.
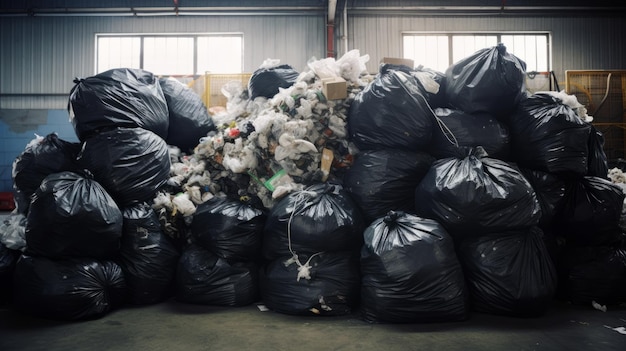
x=440 y=50
x=171 y=54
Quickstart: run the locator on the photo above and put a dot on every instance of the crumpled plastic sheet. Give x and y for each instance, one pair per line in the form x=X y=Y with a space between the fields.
x=13 y=231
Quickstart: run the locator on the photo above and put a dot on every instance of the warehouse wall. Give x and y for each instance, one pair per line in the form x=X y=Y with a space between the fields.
x=40 y=56
x=577 y=42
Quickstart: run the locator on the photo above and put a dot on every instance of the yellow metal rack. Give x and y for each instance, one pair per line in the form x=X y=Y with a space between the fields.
x=603 y=92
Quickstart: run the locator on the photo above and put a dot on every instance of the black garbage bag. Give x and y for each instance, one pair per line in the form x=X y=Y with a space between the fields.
x=72 y=289
x=491 y=81
x=593 y=273
x=548 y=135
x=189 y=119
x=120 y=97
x=383 y=180
x=231 y=229
x=325 y=284
x=410 y=272
x=71 y=215
x=459 y=129
x=509 y=273
x=476 y=193
x=322 y=217
x=132 y=164
x=147 y=256
x=591 y=212
x=550 y=191
x=436 y=96
x=40 y=158
x=206 y=279
x=266 y=81
x=431 y=82
x=391 y=112
x=8 y=258
x=597 y=165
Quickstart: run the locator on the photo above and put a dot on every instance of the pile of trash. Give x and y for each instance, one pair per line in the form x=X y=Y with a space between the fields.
x=320 y=192
x=267 y=147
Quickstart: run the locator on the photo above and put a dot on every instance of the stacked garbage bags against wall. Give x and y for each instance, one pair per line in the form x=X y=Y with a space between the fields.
x=409 y=196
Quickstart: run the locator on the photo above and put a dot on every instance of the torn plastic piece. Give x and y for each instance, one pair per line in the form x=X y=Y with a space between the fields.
x=598 y=307
x=621 y=330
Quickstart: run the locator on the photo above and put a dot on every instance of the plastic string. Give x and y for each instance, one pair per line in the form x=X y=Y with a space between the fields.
x=404 y=82
x=447 y=132
x=303 y=269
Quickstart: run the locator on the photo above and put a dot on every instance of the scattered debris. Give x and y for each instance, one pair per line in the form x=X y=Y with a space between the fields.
x=598 y=307
x=621 y=330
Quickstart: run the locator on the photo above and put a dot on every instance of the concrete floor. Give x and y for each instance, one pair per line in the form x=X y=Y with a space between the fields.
x=172 y=325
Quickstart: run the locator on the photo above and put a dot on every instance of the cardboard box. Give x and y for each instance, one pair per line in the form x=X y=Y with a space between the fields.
x=335 y=88
x=398 y=61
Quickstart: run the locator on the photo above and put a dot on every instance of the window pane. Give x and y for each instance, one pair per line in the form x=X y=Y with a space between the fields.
x=117 y=52
x=430 y=51
x=220 y=54
x=466 y=45
x=168 y=55
x=532 y=49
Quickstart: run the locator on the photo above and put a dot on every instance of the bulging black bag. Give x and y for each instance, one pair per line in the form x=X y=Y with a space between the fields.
x=132 y=164
x=120 y=97
x=509 y=273
x=231 y=229
x=548 y=135
x=410 y=272
x=383 y=180
x=189 y=119
x=459 y=129
x=39 y=159
x=391 y=112
x=476 y=193
x=8 y=258
x=550 y=191
x=71 y=215
x=73 y=289
x=593 y=273
x=147 y=256
x=266 y=81
x=598 y=165
x=322 y=217
x=491 y=81
x=327 y=284
x=591 y=212
x=206 y=279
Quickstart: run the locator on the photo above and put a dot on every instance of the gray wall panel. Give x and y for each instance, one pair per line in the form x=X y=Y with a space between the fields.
x=42 y=55
x=577 y=43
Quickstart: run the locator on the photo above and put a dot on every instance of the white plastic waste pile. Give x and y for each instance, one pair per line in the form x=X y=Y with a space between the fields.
x=268 y=147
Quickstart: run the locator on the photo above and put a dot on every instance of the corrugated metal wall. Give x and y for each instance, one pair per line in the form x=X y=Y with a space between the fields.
x=577 y=43
x=40 y=56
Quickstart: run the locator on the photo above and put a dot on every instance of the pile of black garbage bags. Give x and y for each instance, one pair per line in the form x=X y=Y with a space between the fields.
x=507 y=190
x=91 y=240
x=465 y=194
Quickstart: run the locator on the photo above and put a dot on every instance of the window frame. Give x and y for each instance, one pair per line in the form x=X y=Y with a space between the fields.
x=498 y=34
x=194 y=36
